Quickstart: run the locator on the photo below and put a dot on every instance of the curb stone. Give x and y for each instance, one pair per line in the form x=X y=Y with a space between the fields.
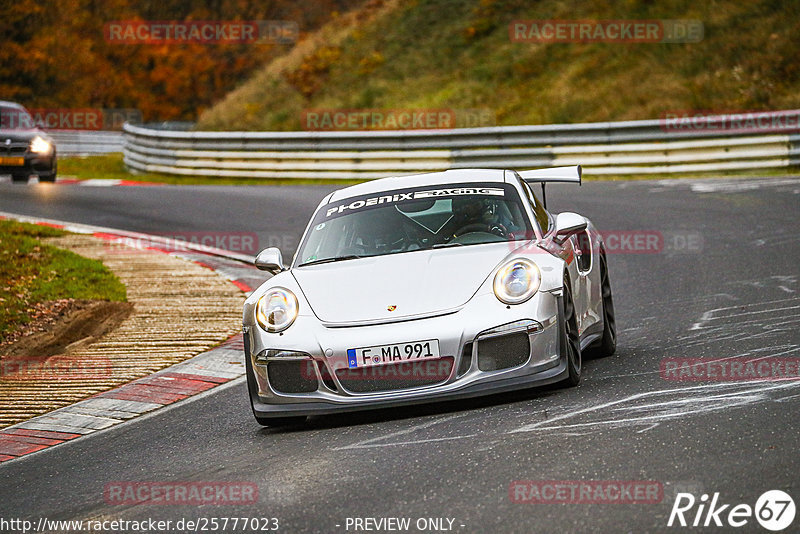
x=200 y=373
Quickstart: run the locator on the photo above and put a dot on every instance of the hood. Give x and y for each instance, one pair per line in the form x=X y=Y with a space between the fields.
x=425 y=282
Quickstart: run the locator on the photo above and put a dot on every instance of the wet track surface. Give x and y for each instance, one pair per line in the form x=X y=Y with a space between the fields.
x=722 y=283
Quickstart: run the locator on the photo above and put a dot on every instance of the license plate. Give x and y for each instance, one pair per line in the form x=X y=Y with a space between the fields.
x=398 y=352
x=12 y=161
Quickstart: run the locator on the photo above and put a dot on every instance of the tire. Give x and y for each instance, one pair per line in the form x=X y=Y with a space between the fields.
x=607 y=344
x=19 y=178
x=569 y=339
x=51 y=176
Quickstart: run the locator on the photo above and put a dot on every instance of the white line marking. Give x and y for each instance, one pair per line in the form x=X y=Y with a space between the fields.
x=414 y=442
x=707 y=404
x=362 y=444
x=709 y=315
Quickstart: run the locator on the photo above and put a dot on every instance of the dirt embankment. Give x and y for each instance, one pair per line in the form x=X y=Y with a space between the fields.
x=73 y=350
x=60 y=327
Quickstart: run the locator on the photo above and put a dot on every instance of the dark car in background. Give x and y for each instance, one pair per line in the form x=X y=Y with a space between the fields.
x=24 y=148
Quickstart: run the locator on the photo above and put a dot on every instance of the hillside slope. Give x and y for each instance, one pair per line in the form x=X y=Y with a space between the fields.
x=457 y=54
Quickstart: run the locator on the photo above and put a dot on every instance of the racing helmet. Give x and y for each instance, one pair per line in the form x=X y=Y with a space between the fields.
x=470 y=209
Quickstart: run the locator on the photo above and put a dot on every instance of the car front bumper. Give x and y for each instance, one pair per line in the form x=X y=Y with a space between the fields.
x=461 y=336
x=31 y=164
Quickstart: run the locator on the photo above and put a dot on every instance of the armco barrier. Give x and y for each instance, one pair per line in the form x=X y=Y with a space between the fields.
x=630 y=147
x=86 y=142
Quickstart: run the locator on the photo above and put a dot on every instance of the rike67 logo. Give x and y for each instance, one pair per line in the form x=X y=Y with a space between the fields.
x=774 y=510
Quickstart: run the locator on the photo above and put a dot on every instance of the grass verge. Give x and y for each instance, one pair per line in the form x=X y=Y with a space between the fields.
x=746 y=173
x=32 y=272
x=111 y=166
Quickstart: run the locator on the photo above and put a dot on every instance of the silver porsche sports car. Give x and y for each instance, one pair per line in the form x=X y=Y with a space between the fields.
x=424 y=288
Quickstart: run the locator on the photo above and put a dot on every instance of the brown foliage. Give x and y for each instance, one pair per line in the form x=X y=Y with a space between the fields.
x=54 y=54
x=309 y=77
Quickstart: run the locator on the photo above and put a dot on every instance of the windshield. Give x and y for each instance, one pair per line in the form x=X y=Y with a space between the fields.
x=415 y=219
x=14 y=118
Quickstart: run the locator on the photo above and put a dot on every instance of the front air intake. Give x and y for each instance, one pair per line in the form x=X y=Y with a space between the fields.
x=293 y=376
x=503 y=352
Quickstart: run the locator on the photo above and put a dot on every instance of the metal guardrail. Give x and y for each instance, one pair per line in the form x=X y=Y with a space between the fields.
x=86 y=142
x=629 y=147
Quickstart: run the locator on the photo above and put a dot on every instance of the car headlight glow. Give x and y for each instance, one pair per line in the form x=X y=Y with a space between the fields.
x=40 y=145
x=276 y=310
x=517 y=281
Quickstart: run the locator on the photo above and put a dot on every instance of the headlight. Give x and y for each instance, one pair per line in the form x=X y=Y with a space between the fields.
x=517 y=281
x=41 y=146
x=276 y=310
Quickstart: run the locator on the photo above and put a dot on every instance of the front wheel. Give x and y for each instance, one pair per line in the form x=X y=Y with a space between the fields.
x=19 y=178
x=50 y=176
x=568 y=339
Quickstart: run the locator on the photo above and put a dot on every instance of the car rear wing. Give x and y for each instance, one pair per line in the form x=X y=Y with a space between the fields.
x=554 y=174
x=571 y=174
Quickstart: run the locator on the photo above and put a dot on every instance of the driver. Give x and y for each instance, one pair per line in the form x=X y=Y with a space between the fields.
x=472 y=214
x=382 y=232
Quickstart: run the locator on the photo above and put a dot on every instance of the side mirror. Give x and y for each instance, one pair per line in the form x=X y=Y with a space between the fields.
x=270 y=260
x=567 y=224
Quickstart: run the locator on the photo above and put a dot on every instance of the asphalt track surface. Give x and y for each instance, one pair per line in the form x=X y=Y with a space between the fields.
x=734 y=294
